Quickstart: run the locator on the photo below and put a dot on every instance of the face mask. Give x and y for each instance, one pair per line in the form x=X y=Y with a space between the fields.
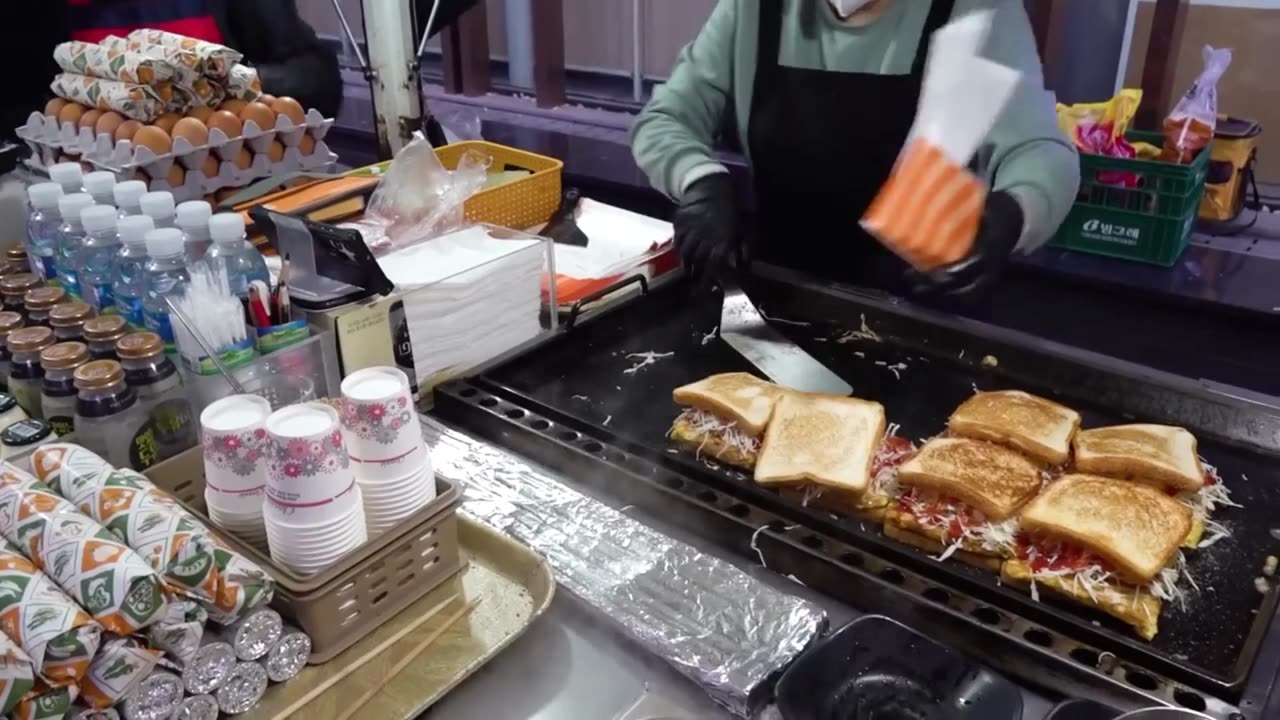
x=845 y=8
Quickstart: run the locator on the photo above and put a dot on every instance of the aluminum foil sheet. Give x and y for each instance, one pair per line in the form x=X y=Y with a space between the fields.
x=715 y=624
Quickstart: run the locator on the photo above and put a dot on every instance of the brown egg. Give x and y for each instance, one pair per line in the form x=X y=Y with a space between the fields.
x=243 y=159
x=210 y=166
x=260 y=114
x=70 y=113
x=275 y=151
x=166 y=122
x=90 y=118
x=307 y=145
x=193 y=130
x=127 y=130
x=266 y=99
x=226 y=122
x=201 y=113
x=233 y=106
x=108 y=123
x=290 y=108
x=154 y=139
x=54 y=106
x=211 y=198
x=176 y=175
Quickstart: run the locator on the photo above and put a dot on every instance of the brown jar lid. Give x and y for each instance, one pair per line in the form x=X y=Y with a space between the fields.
x=70 y=314
x=31 y=339
x=16 y=253
x=64 y=356
x=43 y=298
x=105 y=328
x=139 y=346
x=19 y=283
x=9 y=321
x=99 y=374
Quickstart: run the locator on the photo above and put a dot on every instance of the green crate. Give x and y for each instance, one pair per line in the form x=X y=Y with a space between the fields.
x=1151 y=223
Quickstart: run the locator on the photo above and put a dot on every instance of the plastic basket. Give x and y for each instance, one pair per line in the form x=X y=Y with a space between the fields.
x=1149 y=223
x=519 y=204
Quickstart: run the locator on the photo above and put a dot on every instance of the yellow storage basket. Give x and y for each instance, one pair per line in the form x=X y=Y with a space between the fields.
x=519 y=204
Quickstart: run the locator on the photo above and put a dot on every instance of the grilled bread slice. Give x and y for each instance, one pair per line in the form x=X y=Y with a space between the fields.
x=1040 y=428
x=742 y=398
x=1133 y=605
x=1157 y=454
x=822 y=439
x=1136 y=528
x=989 y=478
x=715 y=444
x=895 y=530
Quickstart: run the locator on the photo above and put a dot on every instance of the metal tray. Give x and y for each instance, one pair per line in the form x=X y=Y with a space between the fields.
x=516 y=587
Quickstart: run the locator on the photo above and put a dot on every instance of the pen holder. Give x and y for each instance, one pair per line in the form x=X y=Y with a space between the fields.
x=235 y=356
x=274 y=337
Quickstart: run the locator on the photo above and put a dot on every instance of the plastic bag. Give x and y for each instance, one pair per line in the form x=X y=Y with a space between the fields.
x=1191 y=124
x=419 y=198
x=1099 y=129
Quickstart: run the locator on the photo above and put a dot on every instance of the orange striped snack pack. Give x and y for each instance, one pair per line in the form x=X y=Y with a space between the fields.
x=929 y=210
x=17 y=674
x=58 y=636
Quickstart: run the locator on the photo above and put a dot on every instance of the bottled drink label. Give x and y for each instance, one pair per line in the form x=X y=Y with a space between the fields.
x=101 y=297
x=43 y=267
x=70 y=283
x=159 y=324
x=131 y=310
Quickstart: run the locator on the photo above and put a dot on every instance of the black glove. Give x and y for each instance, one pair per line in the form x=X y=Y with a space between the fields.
x=998 y=234
x=708 y=229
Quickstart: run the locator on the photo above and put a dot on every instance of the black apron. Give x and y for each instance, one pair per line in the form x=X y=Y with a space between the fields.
x=822 y=144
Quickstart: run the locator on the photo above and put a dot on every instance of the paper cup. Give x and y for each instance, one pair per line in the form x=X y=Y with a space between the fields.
x=397 y=468
x=244 y=503
x=235 y=448
x=379 y=420
x=309 y=477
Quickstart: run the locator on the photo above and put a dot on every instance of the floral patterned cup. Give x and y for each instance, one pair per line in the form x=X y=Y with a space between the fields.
x=309 y=476
x=234 y=437
x=380 y=425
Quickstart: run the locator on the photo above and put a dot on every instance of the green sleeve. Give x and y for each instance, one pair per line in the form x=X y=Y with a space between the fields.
x=1031 y=158
x=675 y=132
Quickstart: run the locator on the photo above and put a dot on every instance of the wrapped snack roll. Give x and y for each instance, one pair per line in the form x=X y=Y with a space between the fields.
x=59 y=637
x=191 y=87
x=17 y=674
x=120 y=666
x=218 y=59
x=139 y=102
x=180 y=632
x=243 y=84
x=46 y=702
x=82 y=58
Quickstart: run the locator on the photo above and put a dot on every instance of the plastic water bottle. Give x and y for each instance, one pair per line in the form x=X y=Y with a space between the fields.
x=127 y=195
x=159 y=207
x=233 y=251
x=101 y=185
x=69 y=176
x=129 y=274
x=192 y=218
x=70 y=238
x=166 y=275
x=97 y=256
x=42 y=229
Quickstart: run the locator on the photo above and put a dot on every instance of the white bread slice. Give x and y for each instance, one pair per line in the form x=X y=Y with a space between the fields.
x=740 y=397
x=822 y=439
x=1135 y=527
x=1040 y=428
x=1157 y=454
x=991 y=478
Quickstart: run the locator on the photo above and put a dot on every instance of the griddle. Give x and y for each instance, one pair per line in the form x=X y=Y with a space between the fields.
x=588 y=403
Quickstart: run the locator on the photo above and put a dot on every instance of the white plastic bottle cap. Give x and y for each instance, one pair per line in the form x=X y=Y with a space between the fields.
x=129 y=192
x=135 y=228
x=44 y=195
x=98 y=218
x=67 y=173
x=193 y=213
x=226 y=227
x=99 y=183
x=71 y=205
x=165 y=242
x=157 y=204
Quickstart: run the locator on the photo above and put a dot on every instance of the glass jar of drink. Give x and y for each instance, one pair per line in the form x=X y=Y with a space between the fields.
x=67 y=320
x=9 y=321
x=40 y=301
x=13 y=288
x=109 y=420
x=58 y=389
x=102 y=333
x=155 y=378
x=26 y=375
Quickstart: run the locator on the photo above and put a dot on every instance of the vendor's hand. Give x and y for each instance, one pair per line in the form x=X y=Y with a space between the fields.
x=1001 y=228
x=708 y=232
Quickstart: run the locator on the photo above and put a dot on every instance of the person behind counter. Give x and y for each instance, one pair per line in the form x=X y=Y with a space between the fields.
x=823 y=94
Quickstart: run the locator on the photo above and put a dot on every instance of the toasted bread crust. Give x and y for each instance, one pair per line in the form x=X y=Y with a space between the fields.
x=1134 y=527
x=708 y=445
x=823 y=439
x=740 y=397
x=930 y=545
x=1038 y=427
x=991 y=478
x=1117 y=601
x=1161 y=455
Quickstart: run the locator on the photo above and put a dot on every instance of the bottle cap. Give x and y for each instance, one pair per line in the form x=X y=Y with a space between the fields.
x=70 y=314
x=164 y=242
x=99 y=183
x=19 y=284
x=16 y=254
x=129 y=192
x=9 y=321
x=27 y=431
x=139 y=346
x=31 y=339
x=71 y=205
x=42 y=298
x=158 y=205
x=133 y=229
x=44 y=195
x=67 y=174
x=193 y=213
x=107 y=328
x=98 y=218
x=64 y=356
x=226 y=227
x=99 y=374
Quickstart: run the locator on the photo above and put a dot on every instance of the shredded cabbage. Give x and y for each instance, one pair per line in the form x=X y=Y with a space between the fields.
x=707 y=425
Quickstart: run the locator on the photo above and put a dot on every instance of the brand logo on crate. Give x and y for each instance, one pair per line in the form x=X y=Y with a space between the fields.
x=1110 y=232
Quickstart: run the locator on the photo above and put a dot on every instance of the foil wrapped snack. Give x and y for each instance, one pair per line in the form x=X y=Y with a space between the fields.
x=156 y=698
x=59 y=637
x=243 y=84
x=714 y=623
x=218 y=59
x=17 y=674
x=254 y=635
x=242 y=689
x=138 y=102
x=197 y=707
x=211 y=665
x=46 y=703
x=82 y=58
x=119 y=668
x=289 y=655
x=109 y=580
x=179 y=632
x=81 y=712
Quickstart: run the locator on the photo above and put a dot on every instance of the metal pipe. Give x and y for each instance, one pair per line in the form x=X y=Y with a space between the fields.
x=351 y=38
x=637 y=52
x=397 y=99
x=426 y=31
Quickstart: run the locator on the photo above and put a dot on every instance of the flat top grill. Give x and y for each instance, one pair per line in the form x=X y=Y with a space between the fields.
x=921 y=369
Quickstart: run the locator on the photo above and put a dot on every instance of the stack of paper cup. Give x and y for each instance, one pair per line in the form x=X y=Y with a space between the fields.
x=313 y=511
x=234 y=437
x=387 y=451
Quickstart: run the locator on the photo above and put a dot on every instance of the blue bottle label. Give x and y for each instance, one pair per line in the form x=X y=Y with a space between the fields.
x=70 y=283
x=44 y=267
x=131 y=310
x=101 y=297
x=159 y=324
